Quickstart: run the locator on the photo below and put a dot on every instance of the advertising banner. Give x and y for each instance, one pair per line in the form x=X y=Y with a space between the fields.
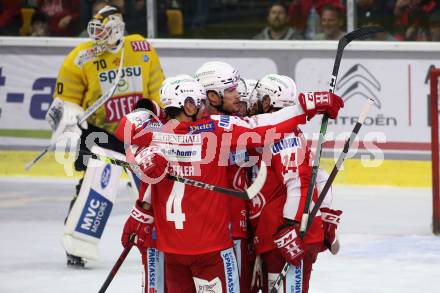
x=397 y=125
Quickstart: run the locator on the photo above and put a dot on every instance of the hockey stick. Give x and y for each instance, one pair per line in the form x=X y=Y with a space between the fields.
x=340 y=161
x=343 y=42
x=117 y=265
x=92 y=109
x=248 y=194
x=330 y=180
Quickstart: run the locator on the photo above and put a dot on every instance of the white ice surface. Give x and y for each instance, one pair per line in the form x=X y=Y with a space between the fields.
x=387 y=245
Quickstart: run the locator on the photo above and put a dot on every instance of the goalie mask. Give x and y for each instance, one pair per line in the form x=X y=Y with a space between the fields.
x=106 y=29
x=280 y=89
x=177 y=90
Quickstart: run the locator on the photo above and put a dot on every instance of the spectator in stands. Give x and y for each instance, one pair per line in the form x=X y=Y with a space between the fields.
x=39 y=25
x=303 y=15
x=63 y=16
x=332 y=22
x=412 y=19
x=97 y=5
x=10 y=17
x=278 y=28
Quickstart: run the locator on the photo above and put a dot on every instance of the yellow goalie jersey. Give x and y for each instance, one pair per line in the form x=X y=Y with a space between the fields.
x=84 y=77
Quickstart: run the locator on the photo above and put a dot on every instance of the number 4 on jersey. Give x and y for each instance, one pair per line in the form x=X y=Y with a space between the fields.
x=174 y=205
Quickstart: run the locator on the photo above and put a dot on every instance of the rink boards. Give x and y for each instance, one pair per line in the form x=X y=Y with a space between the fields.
x=403 y=173
x=395 y=141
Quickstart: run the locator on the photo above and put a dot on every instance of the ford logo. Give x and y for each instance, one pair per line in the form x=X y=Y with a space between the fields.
x=105 y=177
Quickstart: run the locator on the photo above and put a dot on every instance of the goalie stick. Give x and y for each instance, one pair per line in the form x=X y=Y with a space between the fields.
x=343 y=42
x=330 y=180
x=92 y=109
x=248 y=194
x=117 y=265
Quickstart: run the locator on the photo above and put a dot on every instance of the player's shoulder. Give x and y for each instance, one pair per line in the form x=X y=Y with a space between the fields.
x=289 y=141
x=138 y=117
x=228 y=121
x=82 y=47
x=143 y=134
x=202 y=125
x=138 y=43
x=82 y=53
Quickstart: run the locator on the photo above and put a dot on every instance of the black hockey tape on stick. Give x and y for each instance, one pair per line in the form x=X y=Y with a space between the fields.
x=92 y=109
x=340 y=161
x=332 y=176
x=248 y=194
x=343 y=42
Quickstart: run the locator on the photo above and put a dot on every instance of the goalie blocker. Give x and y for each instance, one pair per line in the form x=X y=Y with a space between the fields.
x=88 y=217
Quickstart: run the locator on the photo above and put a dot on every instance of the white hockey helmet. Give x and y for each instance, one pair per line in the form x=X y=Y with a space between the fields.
x=217 y=76
x=281 y=90
x=175 y=90
x=247 y=90
x=106 y=29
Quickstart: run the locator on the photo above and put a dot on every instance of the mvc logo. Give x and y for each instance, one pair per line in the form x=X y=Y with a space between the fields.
x=94 y=215
x=359 y=81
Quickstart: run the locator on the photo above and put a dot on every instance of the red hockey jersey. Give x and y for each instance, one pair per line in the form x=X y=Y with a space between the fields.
x=190 y=220
x=284 y=193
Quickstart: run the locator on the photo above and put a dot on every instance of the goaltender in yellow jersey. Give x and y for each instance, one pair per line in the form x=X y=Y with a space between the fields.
x=85 y=76
x=89 y=72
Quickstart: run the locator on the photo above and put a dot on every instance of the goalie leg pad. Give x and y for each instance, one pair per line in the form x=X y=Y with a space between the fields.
x=89 y=214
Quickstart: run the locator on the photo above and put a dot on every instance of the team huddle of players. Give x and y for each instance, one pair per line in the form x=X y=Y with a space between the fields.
x=217 y=128
x=213 y=127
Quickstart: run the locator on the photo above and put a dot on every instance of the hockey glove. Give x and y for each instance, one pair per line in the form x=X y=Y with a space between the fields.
x=139 y=223
x=63 y=118
x=290 y=245
x=152 y=163
x=320 y=103
x=330 y=220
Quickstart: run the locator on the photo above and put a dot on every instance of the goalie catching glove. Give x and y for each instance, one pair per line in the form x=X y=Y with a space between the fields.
x=320 y=103
x=63 y=118
x=290 y=245
x=140 y=224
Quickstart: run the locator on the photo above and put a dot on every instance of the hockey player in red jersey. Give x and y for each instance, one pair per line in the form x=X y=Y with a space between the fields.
x=192 y=223
x=225 y=94
x=140 y=220
x=276 y=211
